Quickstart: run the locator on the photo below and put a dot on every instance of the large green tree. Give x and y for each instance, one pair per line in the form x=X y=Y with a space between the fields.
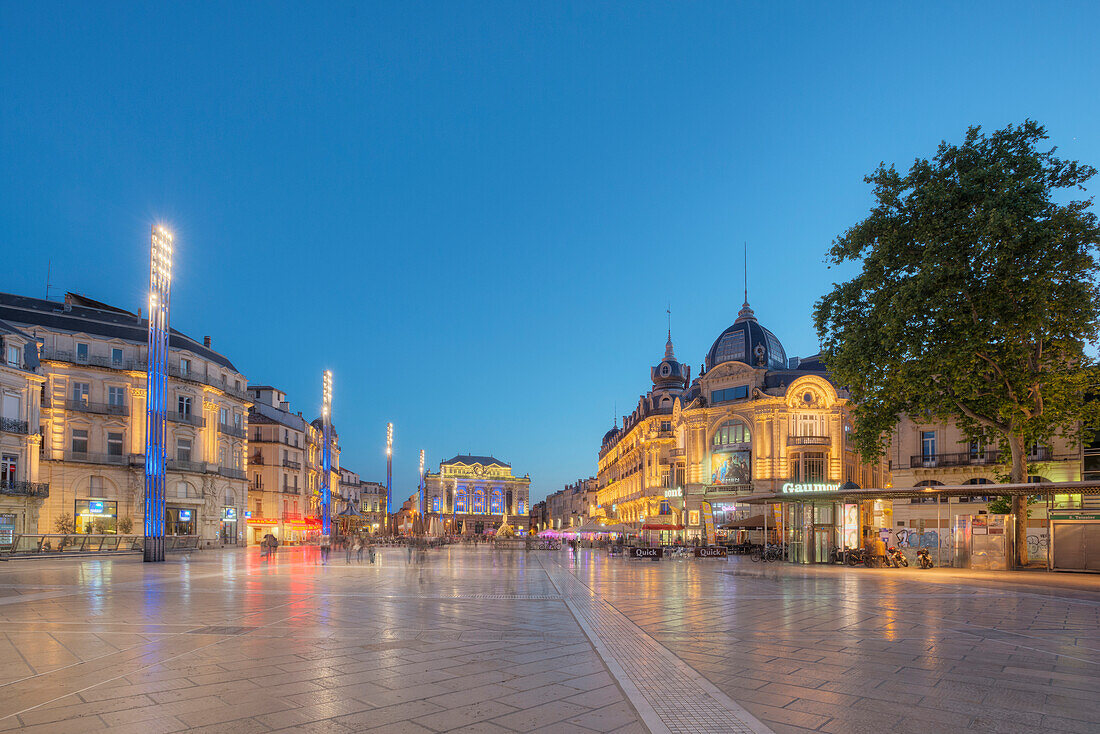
x=976 y=299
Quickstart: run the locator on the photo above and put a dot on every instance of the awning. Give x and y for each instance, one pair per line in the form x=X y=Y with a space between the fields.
x=661 y=526
x=1047 y=489
x=756 y=521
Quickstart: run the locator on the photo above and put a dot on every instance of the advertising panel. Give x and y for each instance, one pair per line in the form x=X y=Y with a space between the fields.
x=849 y=527
x=731 y=467
x=647 y=552
x=708 y=522
x=714 y=551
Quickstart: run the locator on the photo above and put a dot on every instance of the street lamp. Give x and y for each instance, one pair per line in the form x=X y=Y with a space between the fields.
x=156 y=417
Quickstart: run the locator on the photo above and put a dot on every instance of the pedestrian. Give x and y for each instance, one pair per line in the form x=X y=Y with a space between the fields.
x=326 y=547
x=358 y=549
x=370 y=553
x=347 y=551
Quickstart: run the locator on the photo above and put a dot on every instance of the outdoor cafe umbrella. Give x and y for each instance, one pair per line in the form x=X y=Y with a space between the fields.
x=418 y=526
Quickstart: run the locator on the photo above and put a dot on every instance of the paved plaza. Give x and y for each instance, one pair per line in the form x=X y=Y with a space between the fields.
x=481 y=640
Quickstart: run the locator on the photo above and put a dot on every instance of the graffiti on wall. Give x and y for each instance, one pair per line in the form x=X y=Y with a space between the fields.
x=913 y=538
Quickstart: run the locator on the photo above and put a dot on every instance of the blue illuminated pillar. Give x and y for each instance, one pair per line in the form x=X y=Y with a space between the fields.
x=156 y=419
x=389 y=465
x=423 y=499
x=326 y=452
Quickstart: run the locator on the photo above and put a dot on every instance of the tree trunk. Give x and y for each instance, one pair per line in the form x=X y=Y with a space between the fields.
x=1018 y=475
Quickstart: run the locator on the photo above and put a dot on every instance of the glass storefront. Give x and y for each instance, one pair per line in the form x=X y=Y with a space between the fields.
x=179 y=521
x=7 y=528
x=96 y=517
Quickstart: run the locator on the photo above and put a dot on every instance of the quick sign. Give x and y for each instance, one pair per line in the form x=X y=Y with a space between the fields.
x=716 y=551
x=793 y=488
x=647 y=552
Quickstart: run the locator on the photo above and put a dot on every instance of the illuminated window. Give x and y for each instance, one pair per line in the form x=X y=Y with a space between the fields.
x=496 y=502
x=462 y=500
x=479 y=500
x=730 y=393
x=435 y=504
x=732 y=432
x=522 y=507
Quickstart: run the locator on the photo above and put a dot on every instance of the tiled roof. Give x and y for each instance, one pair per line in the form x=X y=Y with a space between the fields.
x=469 y=460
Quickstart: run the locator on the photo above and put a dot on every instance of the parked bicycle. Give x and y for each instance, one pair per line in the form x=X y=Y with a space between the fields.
x=767 y=553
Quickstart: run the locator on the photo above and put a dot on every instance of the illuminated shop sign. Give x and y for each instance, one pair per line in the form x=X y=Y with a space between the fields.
x=185 y=515
x=792 y=488
x=95 y=508
x=230 y=513
x=678 y=492
x=248 y=513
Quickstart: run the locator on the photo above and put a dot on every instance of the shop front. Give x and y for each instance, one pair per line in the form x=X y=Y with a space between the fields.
x=180 y=521
x=228 y=530
x=95 y=516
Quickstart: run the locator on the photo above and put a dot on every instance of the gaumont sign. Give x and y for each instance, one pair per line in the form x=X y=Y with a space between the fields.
x=714 y=551
x=793 y=488
x=647 y=552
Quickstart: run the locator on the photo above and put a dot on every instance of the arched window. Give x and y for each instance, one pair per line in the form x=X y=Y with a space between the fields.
x=496 y=502
x=462 y=500
x=479 y=500
x=930 y=498
x=732 y=433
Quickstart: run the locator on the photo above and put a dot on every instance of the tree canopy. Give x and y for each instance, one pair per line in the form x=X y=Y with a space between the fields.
x=976 y=299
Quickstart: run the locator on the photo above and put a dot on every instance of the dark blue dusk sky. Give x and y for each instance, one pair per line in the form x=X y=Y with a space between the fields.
x=475 y=214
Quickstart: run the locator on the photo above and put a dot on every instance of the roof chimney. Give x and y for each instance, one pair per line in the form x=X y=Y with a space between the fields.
x=206 y=342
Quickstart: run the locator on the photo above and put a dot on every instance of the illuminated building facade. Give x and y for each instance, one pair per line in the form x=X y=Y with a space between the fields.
x=21 y=492
x=284 y=482
x=92 y=417
x=752 y=421
x=476 y=491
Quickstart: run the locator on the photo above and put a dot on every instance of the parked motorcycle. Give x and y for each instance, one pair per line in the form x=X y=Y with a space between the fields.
x=857 y=556
x=896 y=558
x=923 y=559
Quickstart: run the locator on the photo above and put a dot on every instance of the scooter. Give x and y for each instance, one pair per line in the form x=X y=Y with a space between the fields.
x=856 y=556
x=923 y=559
x=895 y=558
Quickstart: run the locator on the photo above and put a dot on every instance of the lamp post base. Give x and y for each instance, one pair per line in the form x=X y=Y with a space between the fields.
x=154 y=550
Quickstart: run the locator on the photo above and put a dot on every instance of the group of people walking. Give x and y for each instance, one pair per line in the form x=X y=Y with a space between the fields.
x=352 y=545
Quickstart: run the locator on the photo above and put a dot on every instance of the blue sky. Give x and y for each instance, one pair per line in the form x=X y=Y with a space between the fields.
x=476 y=214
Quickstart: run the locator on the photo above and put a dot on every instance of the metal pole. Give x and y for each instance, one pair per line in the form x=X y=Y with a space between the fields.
x=326 y=452
x=939 y=562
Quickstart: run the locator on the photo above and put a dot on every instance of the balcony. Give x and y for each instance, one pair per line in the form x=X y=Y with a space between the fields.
x=190 y=419
x=808 y=440
x=256 y=459
x=59 y=355
x=230 y=472
x=231 y=430
x=84 y=406
x=677 y=453
x=198 y=467
x=291 y=464
x=25 y=489
x=11 y=425
x=963 y=458
x=194 y=375
x=84 y=457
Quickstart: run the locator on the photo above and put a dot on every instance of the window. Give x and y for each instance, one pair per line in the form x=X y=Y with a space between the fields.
x=435 y=505
x=808 y=424
x=81 y=352
x=479 y=500
x=116 y=357
x=977 y=451
x=184 y=405
x=666 y=478
x=732 y=432
x=496 y=502
x=80 y=393
x=222 y=457
x=116 y=395
x=114 y=444
x=809 y=467
x=185 y=366
x=928 y=444
x=462 y=501
x=523 y=507
x=223 y=416
x=666 y=508
x=80 y=441
x=740 y=392
x=8 y=464
x=730 y=347
x=237 y=424
x=183 y=449
x=13 y=357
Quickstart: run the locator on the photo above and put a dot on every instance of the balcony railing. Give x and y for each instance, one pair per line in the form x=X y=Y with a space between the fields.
x=199 y=467
x=256 y=459
x=291 y=464
x=231 y=430
x=677 y=453
x=259 y=438
x=962 y=458
x=206 y=378
x=228 y=471
x=87 y=407
x=807 y=440
x=85 y=457
x=60 y=355
x=25 y=489
x=11 y=425
x=189 y=418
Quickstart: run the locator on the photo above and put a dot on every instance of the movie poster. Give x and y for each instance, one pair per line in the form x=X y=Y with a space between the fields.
x=731 y=467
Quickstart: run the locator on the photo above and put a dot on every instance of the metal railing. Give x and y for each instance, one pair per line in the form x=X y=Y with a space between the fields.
x=74 y=543
x=291 y=464
x=60 y=355
x=257 y=459
x=85 y=457
x=25 y=489
x=188 y=418
x=198 y=467
x=231 y=430
x=258 y=438
x=228 y=471
x=807 y=440
x=11 y=425
x=962 y=458
x=677 y=453
x=85 y=406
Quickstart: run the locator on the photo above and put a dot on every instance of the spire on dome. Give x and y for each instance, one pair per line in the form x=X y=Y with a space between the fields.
x=746 y=313
x=668 y=348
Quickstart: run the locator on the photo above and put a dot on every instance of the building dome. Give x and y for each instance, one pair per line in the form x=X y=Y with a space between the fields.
x=669 y=373
x=611 y=434
x=748 y=342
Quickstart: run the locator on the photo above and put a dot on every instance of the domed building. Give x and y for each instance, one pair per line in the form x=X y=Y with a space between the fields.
x=752 y=421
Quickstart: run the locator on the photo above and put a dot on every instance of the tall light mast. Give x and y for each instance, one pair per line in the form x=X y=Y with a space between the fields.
x=326 y=451
x=389 y=464
x=156 y=418
x=423 y=499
